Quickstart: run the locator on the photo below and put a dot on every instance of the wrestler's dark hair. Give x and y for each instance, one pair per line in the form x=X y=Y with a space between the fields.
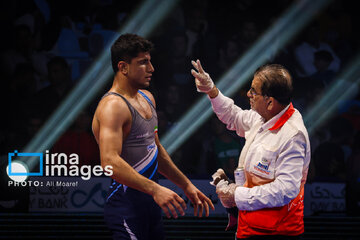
x=276 y=82
x=127 y=47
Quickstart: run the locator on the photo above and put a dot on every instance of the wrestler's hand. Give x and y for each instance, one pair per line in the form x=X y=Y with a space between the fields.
x=169 y=201
x=217 y=176
x=226 y=193
x=202 y=79
x=199 y=200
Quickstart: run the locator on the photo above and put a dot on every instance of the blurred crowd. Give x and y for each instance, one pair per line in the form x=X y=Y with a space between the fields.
x=46 y=47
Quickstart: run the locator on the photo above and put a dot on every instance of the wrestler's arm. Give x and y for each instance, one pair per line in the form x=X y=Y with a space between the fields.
x=113 y=114
x=168 y=169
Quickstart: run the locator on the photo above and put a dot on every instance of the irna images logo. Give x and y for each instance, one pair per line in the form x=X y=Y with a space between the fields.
x=52 y=164
x=15 y=160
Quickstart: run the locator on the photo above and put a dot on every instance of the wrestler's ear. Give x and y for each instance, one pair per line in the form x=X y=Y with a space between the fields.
x=123 y=67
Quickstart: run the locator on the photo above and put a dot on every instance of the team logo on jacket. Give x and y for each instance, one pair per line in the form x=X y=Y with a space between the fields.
x=263 y=166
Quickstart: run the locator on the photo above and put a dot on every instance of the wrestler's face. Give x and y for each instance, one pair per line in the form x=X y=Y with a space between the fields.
x=140 y=70
x=258 y=102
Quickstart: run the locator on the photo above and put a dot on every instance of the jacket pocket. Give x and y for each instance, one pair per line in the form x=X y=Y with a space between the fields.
x=263 y=162
x=265 y=219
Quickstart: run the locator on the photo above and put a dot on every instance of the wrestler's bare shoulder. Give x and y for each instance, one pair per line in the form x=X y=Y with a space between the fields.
x=112 y=106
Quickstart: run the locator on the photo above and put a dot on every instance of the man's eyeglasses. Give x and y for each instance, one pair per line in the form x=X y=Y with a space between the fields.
x=253 y=93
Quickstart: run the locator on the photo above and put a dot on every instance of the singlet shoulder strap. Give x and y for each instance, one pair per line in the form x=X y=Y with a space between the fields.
x=147 y=98
x=116 y=94
x=126 y=101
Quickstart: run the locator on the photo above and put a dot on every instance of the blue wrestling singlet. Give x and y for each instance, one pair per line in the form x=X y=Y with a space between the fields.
x=129 y=213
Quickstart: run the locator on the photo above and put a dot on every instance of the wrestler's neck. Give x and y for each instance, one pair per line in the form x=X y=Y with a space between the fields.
x=122 y=86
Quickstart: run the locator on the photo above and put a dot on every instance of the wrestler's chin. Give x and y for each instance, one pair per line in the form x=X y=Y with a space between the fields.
x=146 y=85
x=143 y=85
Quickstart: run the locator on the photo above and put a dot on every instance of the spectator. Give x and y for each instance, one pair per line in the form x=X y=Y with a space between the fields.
x=172 y=104
x=229 y=52
x=342 y=134
x=305 y=53
x=176 y=65
x=329 y=163
x=15 y=101
x=23 y=51
x=48 y=99
x=322 y=61
x=222 y=149
x=79 y=139
x=248 y=34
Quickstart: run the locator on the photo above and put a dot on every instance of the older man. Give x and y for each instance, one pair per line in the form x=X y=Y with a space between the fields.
x=275 y=157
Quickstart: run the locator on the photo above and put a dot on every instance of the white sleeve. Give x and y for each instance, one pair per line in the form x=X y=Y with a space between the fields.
x=233 y=116
x=286 y=186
